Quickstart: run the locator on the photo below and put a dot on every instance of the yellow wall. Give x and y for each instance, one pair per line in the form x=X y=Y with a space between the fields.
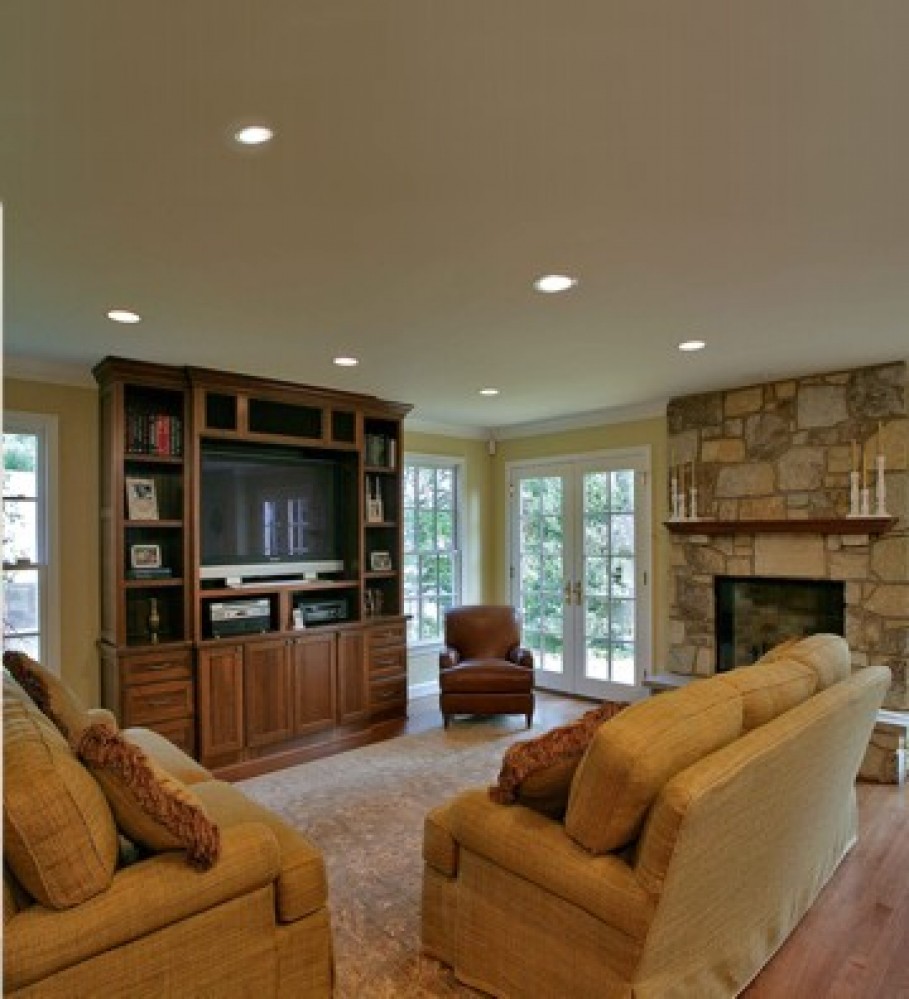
x=638 y=433
x=77 y=413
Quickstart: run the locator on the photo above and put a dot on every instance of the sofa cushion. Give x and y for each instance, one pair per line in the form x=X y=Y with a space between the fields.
x=630 y=759
x=828 y=655
x=538 y=772
x=152 y=808
x=302 y=887
x=59 y=837
x=49 y=693
x=770 y=687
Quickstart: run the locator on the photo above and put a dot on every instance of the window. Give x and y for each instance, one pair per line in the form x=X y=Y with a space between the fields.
x=29 y=532
x=432 y=556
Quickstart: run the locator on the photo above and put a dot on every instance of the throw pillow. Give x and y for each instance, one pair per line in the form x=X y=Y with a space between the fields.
x=51 y=695
x=152 y=808
x=538 y=772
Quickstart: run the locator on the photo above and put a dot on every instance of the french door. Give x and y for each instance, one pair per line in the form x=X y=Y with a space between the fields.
x=580 y=570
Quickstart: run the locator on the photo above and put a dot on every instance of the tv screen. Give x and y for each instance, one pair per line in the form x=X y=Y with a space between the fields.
x=267 y=511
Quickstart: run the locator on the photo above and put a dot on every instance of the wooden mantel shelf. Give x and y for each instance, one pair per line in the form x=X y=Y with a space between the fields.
x=815 y=525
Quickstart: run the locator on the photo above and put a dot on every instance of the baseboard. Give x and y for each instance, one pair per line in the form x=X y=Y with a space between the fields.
x=424 y=689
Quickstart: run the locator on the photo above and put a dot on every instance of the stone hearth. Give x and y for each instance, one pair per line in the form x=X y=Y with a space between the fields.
x=783 y=450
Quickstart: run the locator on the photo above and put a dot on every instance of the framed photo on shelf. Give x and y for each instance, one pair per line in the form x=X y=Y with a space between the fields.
x=145 y=556
x=380 y=561
x=141 y=499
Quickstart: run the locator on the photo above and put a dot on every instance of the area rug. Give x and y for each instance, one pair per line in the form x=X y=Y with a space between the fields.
x=364 y=809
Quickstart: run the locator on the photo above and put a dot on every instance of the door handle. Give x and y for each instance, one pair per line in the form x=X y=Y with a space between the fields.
x=578 y=592
x=567 y=592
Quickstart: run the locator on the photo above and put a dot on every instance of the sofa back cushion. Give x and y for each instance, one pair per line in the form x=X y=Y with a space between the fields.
x=828 y=655
x=768 y=688
x=632 y=757
x=59 y=837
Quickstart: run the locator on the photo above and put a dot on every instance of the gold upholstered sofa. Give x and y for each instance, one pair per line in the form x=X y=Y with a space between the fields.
x=222 y=899
x=701 y=825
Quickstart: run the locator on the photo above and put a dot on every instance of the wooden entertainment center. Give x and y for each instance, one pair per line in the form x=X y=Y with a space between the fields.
x=250 y=672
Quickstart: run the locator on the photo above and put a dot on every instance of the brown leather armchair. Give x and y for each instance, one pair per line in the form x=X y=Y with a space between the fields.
x=483 y=670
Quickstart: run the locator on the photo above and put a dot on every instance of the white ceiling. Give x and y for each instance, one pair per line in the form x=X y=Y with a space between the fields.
x=725 y=169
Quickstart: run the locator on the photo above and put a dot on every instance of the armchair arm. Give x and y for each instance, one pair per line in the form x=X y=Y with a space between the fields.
x=145 y=897
x=521 y=657
x=448 y=658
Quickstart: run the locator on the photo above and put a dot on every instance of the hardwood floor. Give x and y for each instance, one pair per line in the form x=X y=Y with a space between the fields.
x=854 y=941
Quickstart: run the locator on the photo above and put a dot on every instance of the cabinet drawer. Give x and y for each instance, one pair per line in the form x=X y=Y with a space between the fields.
x=157 y=702
x=386 y=634
x=383 y=693
x=179 y=732
x=155 y=667
x=390 y=662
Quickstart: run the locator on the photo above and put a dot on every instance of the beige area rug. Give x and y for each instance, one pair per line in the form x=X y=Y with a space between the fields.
x=364 y=809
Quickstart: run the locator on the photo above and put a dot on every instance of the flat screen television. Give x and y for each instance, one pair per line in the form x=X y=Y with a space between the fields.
x=269 y=512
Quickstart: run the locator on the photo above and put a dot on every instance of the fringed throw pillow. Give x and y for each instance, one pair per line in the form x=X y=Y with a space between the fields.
x=152 y=808
x=538 y=772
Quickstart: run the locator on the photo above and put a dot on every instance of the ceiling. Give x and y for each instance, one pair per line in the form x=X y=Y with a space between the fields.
x=718 y=169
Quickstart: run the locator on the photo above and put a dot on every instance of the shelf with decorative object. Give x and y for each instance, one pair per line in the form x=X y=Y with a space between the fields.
x=808 y=525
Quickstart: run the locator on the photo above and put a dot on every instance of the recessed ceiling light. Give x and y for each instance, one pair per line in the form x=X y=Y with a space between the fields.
x=253 y=135
x=489 y=391
x=689 y=345
x=346 y=362
x=124 y=316
x=552 y=284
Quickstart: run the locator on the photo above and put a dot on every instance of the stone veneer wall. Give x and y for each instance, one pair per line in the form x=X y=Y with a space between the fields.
x=784 y=450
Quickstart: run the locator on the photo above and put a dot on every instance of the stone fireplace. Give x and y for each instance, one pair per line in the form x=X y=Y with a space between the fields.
x=782 y=452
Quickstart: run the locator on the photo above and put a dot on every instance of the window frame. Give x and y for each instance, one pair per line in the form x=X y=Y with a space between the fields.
x=457 y=466
x=45 y=427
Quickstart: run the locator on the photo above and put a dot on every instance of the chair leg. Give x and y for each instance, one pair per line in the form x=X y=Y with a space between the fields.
x=447 y=719
x=529 y=717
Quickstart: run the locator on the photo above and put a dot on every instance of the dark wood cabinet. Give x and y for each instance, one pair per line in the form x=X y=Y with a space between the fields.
x=304 y=684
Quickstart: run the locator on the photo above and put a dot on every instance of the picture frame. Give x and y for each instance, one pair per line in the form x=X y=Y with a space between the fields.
x=380 y=561
x=145 y=556
x=141 y=499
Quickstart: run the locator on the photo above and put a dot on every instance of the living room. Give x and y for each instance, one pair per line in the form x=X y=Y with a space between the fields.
x=727 y=176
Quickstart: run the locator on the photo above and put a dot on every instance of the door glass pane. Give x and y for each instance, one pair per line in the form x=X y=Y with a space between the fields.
x=542 y=570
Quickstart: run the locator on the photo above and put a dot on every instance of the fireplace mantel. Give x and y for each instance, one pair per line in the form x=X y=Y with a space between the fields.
x=813 y=525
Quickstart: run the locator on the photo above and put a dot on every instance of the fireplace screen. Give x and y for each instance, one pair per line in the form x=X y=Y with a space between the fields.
x=755 y=613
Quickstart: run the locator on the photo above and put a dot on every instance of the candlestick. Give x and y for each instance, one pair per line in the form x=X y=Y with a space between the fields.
x=881 y=490
x=674 y=494
x=878 y=451
x=854 y=456
x=693 y=510
x=866 y=501
x=854 y=500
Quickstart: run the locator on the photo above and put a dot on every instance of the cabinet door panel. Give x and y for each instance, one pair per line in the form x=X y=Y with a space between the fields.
x=314 y=683
x=268 y=691
x=353 y=691
x=220 y=700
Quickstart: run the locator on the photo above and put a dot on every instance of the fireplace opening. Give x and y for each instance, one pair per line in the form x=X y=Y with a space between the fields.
x=754 y=613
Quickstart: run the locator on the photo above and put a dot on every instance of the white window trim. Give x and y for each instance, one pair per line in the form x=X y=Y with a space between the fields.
x=46 y=426
x=459 y=463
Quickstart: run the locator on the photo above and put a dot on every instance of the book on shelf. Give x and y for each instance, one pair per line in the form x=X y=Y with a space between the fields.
x=156 y=433
x=380 y=450
x=150 y=572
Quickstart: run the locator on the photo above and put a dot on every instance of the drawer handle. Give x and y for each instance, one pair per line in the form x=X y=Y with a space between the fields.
x=156 y=666
x=386 y=661
x=162 y=702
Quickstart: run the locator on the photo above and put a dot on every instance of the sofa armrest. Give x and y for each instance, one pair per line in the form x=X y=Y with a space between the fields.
x=142 y=898
x=538 y=849
x=448 y=658
x=440 y=848
x=521 y=657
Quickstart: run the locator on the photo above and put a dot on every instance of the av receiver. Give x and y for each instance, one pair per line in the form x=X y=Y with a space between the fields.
x=239 y=617
x=323 y=611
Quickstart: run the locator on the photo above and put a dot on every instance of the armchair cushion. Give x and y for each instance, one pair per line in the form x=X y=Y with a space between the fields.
x=152 y=808
x=59 y=837
x=486 y=676
x=538 y=772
